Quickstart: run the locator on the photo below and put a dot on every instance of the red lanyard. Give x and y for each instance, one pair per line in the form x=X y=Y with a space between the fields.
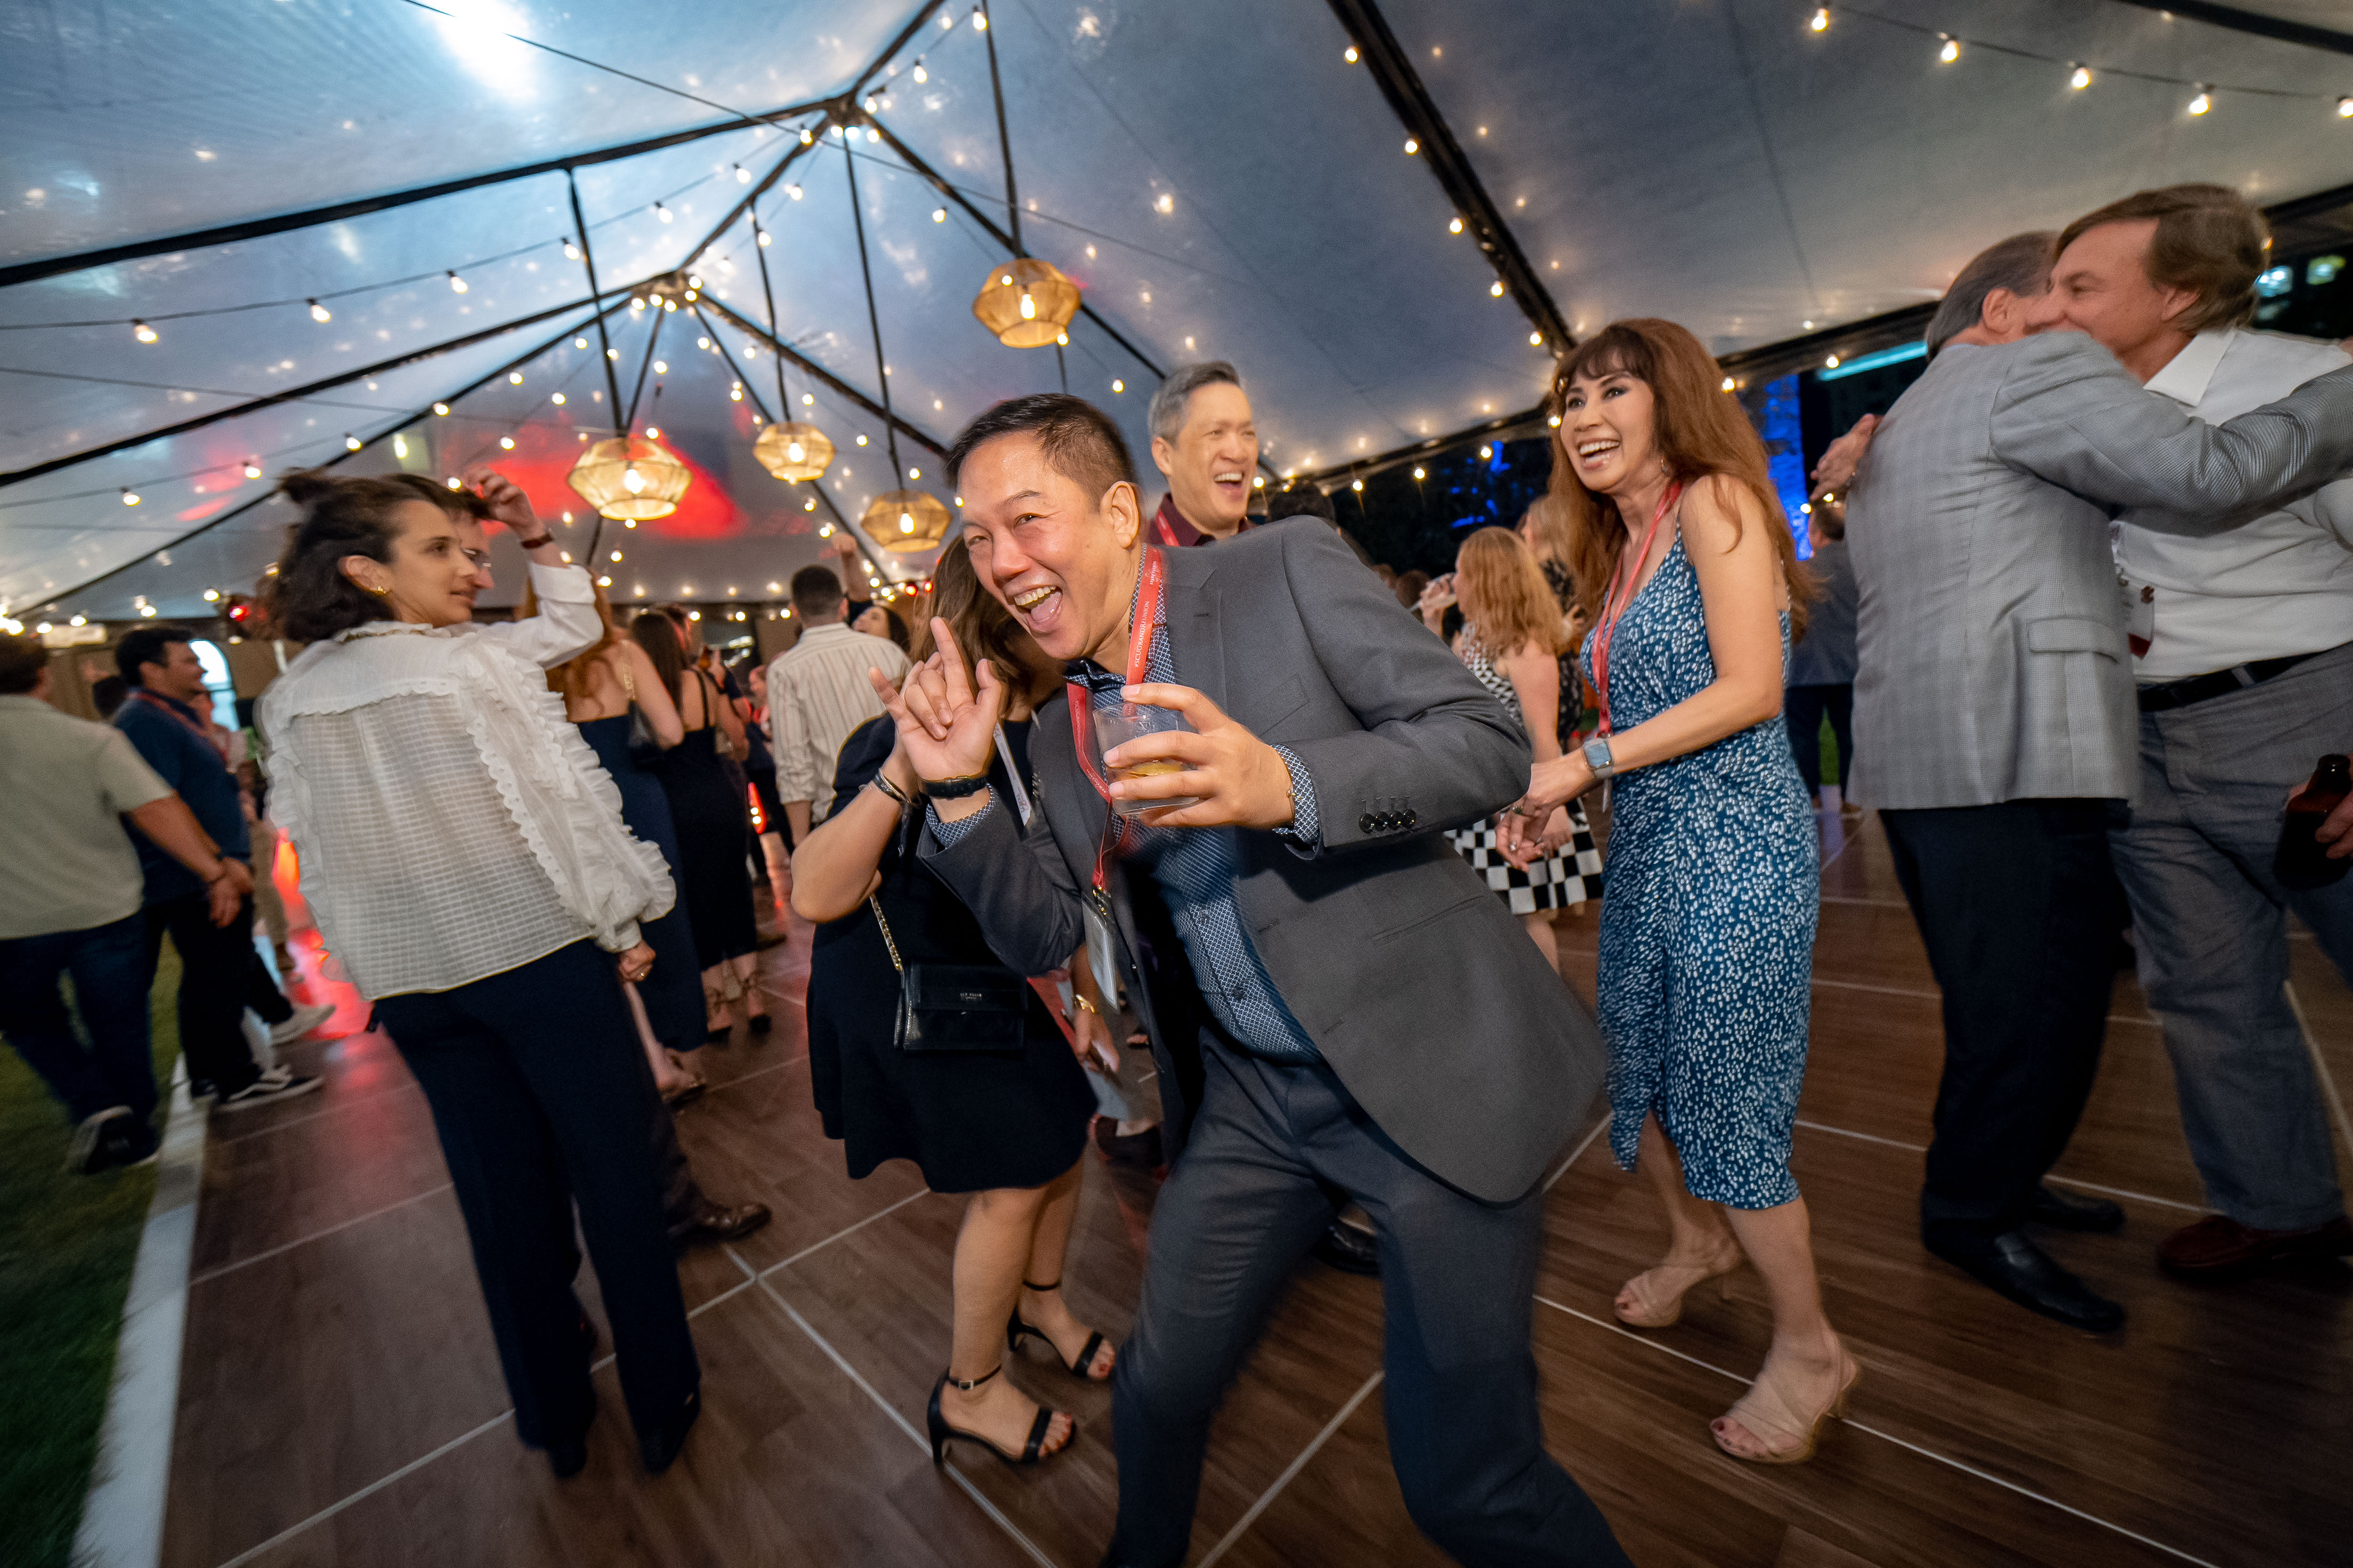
x=1143 y=625
x=1167 y=535
x=1613 y=608
x=203 y=733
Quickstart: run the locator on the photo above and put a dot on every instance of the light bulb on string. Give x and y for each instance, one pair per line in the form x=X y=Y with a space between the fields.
x=457 y=284
x=252 y=468
x=506 y=443
x=664 y=213
x=142 y=331
x=130 y=498
x=742 y=175
x=1951 y=51
x=1350 y=55
x=920 y=74
x=571 y=251
x=1496 y=288
x=352 y=442
x=1357 y=484
x=441 y=408
x=794 y=192
x=212 y=595
x=2203 y=101
x=2345 y=109
x=979 y=20
x=1119 y=386
x=2080 y=78
x=514 y=378
x=1820 y=20
x=1412 y=146
x=1455 y=227
x=939 y=214
x=764 y=237
x=319 y=313
x=1536 y=340
x=1417 y=472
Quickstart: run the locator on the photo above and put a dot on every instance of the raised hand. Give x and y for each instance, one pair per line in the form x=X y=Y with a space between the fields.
x=508 y=503
x=1242 y=780
x=947 y=722
x=1844 y=456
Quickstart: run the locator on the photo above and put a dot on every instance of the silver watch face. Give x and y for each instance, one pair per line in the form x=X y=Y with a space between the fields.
x=1597 y=754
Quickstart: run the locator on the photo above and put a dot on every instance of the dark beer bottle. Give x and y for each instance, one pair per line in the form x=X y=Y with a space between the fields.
x=2302 y=860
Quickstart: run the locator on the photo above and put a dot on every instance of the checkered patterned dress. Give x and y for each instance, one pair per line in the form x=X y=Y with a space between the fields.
x=1569 y=876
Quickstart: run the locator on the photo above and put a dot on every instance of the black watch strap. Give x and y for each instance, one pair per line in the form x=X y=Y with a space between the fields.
x=954 y=789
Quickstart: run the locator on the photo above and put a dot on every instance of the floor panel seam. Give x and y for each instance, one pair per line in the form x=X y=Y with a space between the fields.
x=837 y=1236
x=1920 y=1449
x=2319 y=1062
x=215 y=1272
x=2070 y=1181
x=1291 y=1471
x=332 y=1509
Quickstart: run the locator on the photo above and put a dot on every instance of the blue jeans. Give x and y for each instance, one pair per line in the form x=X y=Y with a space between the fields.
x=109 y=965
x=2211 y=926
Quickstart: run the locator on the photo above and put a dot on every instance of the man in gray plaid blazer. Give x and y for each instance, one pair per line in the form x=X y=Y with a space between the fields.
x=1995 y=717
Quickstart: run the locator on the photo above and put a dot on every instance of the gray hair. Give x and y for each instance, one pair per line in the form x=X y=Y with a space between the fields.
x=1166 y=415
x=2020 y=264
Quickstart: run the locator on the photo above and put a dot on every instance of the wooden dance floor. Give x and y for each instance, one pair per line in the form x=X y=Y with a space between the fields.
x=341 y=1402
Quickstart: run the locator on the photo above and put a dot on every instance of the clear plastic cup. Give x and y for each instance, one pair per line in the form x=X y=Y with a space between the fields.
x=1114 y=727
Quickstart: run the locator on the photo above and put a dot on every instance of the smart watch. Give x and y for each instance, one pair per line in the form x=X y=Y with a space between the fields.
x=955 y=789
x=1596 y=757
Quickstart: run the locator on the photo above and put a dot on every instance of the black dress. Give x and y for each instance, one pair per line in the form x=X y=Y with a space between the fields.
x=972 y=1122
x=714 y=839
x=672 y=989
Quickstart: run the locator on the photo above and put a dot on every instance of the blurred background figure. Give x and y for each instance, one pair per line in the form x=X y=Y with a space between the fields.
x=1821 y=666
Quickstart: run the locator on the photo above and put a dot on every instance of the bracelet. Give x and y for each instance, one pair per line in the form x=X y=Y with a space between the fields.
x=1080 y=997
x=887 y=787
x=955 y=788
x=535 y=544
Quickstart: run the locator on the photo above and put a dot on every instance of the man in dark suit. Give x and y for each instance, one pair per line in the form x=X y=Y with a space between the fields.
x=1336 y=1002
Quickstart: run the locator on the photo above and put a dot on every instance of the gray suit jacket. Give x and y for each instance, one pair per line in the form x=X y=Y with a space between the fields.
x=1990 y=634
x=1420 y=989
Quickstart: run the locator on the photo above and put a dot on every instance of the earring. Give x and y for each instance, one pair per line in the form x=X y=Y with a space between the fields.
x=379 y=591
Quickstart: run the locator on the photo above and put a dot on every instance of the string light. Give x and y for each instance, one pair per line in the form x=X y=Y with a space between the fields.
x=2080 y=78
x=742 y=175
x=2202 y=102
x=1951 y=51
x=1119 y=386
x=1821 y=22
x=1485 y=453
x=2345 y=109
x=130 y=498
x=1496 y=288
x=664 y=213
x=1536 y=340
x=252 y=469
x=1728 y=383
x=352 y=442
x=514 y=378
x=506 y=443
x=921 y=75
x=764 y=239
x=212 y=595
x=142 y=331
x=939 y=214
x=794 y=192
x=979 y=20
x=1417 y=472
x=442 y=408
x=457 y=284
x=399 y=445
x=1832 y=363
x=571 y=251
x=1455 y=226
x=862 y=441
x=557 y=399
x=319 y=313
x=1355 y=484
x=1411 y=146
x=1349 y=54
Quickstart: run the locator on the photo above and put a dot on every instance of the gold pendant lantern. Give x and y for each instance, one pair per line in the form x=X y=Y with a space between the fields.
x=794 y=451
x=905 y=521
x=631 y=477
x=1027 y=303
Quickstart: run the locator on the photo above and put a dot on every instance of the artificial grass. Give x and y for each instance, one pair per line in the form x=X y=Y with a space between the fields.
x=67 y=1247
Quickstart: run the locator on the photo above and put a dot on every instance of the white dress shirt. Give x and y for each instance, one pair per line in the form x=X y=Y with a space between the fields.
x=2284 y=584
x=451 y=823
x=819 y=693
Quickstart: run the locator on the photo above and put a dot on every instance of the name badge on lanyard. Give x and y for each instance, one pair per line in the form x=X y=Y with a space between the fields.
x=1152 y=589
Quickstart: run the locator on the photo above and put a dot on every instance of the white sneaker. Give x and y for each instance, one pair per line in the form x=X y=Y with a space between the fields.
x=305 y=1019
x=271 y=1087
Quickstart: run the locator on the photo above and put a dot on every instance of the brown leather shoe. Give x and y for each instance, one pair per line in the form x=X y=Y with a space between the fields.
x=721 y=1223
x=2219 y=1247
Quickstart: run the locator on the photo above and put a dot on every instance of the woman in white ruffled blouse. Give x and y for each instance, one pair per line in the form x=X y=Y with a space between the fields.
x=465 y=858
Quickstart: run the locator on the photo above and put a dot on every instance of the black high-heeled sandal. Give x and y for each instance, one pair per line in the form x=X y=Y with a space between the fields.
x=1015 y=1331
x=936 y=1420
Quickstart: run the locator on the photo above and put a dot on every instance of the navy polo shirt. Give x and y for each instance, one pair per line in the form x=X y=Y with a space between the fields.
x=191 y=765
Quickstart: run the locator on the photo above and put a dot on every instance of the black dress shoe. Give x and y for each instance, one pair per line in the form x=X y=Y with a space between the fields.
x=1137 y=1150
x=659 y=1447
x=1348 y=1249
x=2065 y=1211
x=2015 y=1266
x=568 y=1457
x=715 y=1222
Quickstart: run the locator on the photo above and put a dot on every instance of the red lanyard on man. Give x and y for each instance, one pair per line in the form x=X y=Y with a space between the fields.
x=1143 y=625
x=1619 y=598
x=211 y=734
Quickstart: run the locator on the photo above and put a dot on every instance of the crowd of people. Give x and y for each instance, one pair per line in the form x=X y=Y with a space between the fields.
x=1172 y=829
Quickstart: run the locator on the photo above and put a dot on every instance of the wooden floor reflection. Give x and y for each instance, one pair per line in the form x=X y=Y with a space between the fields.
x=341 y=1400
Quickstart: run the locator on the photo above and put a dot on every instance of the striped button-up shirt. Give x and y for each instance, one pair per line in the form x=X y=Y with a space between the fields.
x=818 y=693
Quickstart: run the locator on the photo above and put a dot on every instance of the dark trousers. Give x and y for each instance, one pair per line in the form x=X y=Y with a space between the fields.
x=541 y=1096
x=261 y=993
x=2019 y=906
x=1270 y=1152
x=110 y=974
x=218 y=966
x=1805 y=707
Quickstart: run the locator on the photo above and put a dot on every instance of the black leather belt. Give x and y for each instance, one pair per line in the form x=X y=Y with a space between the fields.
x=2220 y=683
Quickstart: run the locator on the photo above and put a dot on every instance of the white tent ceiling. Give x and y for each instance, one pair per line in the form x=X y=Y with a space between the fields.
x=1222 y=180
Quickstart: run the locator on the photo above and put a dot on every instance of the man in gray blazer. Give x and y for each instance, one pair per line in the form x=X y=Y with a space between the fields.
x=1994 y=718
x=1336 y=1004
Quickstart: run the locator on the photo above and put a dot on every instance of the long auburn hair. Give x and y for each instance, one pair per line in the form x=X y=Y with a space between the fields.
x=1699 y=429
x=1505 y=595
x=570 y=678
x=983 y=628
x=656 y=632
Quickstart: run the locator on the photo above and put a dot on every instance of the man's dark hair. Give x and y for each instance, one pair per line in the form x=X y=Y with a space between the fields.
x=1078 y=439
x=815 y=591
x=107 y=693
x=146 y=644
x=1300 y=500
x=2210 y=239
x=22 y=659
x=2020 y=264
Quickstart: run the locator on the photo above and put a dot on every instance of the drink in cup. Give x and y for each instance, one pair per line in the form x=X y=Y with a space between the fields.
x=1114 y=727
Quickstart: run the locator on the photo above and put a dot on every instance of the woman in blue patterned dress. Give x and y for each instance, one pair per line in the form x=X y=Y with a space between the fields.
x=1707 y=930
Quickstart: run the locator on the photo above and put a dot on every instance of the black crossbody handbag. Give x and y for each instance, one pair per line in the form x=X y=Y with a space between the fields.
x=968 y=1008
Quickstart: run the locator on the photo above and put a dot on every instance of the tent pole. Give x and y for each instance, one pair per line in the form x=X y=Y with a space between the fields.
x=588 y=260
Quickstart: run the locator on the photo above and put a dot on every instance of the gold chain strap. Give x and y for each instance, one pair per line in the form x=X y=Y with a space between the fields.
x=628 y=680
x=876 y=904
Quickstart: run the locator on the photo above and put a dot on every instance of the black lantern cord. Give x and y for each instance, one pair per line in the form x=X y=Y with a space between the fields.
x=776 y=328
x=588 y=260
x=653 y=338
x=815 y=486
x=1004 y=138
x=873 y=319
